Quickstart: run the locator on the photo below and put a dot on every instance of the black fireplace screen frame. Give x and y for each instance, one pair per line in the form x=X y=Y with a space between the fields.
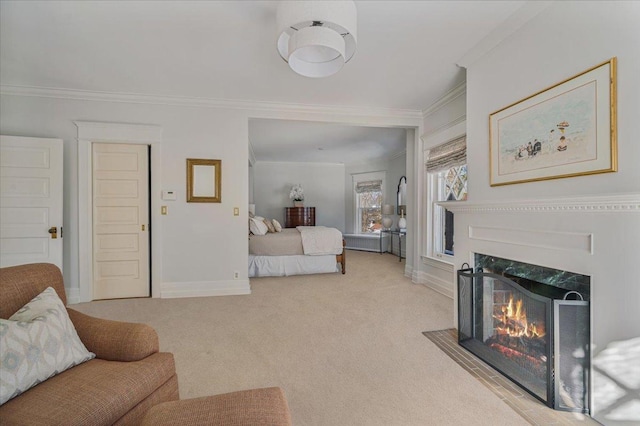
x=468 y=330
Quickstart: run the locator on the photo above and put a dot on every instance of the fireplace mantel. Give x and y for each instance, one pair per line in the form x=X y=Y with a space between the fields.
x=595 y=204
x=590 y=235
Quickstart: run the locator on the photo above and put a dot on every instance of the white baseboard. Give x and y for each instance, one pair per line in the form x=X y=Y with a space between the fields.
x=434 y=283
x=73 y=295
x=204 y=288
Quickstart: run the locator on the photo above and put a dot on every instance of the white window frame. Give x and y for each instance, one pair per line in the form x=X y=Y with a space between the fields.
x=431 y=188
x=364 y=177
x=435 y=218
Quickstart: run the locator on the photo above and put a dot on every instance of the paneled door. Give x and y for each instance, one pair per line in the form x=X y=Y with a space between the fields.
x=30 y=200
x=120 y=221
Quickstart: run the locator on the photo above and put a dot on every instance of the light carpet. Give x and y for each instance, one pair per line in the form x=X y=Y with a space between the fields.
x=346 y=349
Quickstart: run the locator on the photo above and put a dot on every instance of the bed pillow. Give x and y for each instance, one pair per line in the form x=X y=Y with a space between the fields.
x=36 y=343
x=277 y=226
x=270 y=226
x=257 y=227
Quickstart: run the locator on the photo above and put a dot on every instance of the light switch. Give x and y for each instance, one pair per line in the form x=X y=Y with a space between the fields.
x=163 y=210
x=236 y=211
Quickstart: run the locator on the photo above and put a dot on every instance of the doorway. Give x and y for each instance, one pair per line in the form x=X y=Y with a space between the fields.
x=121 y=239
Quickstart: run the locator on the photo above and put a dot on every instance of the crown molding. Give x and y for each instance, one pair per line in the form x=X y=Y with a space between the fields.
x=450 y=96
x=513 y=23
x=590 y=204
x=135 y=98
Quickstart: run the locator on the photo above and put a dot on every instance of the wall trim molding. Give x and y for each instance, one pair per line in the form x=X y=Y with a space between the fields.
x=73 y=295
x=446 y=133
x=550 y=240
x=172 y=290
x=136 y=98
x=623 y=203
x=87 y=133
x=450 y=96
x=509 y=26
x=434 y=283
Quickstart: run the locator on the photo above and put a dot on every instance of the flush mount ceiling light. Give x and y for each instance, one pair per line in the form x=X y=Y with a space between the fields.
x=317 y=38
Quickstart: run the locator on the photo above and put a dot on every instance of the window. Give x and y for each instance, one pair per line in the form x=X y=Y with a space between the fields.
x=447 y=181
x=368 y=196
x=450 y=185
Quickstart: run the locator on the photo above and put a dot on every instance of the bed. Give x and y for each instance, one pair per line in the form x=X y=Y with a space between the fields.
x=297 y=251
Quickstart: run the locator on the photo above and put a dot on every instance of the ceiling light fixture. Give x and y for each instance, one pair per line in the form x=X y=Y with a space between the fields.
x=317 y=38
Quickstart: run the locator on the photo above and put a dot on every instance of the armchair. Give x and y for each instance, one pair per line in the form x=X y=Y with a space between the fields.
x=128 y=376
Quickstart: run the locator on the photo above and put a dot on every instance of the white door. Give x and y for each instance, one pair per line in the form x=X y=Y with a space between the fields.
x=120 y=221
x=30 y=200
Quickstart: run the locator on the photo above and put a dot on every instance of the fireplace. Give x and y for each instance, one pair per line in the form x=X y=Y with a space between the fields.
x=531 y=324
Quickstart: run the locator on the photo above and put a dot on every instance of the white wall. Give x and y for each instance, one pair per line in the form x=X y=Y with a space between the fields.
x=563 y=40
x=202 y=244
x=442 y=123
x=323 y=186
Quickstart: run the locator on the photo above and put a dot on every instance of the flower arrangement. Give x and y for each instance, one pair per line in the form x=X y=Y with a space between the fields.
x=296 y=193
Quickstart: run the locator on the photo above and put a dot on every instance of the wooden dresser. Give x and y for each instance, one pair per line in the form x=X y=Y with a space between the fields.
x=299 y=216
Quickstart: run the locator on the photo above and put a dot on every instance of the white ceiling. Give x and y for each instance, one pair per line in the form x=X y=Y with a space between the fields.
x=226 y=50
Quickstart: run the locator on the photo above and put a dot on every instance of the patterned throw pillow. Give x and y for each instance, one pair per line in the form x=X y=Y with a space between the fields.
x=277 y=226
x=37 y=342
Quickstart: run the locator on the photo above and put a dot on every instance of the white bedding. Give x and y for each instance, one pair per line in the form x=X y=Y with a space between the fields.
x=319 y=240
x=280 y=266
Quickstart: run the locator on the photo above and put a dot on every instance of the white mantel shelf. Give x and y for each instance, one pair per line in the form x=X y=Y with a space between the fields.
x=594 y=204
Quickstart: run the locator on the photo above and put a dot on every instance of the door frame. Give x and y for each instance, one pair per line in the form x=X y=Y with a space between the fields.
x=88 y=133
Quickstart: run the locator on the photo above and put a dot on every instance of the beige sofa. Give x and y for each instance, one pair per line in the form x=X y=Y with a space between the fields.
x=128 y=376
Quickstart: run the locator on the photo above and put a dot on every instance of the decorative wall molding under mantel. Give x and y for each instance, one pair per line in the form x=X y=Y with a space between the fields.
x=550 y=240
x=415 y=116
x=622 y=203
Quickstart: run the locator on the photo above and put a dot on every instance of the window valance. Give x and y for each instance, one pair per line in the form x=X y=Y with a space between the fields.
x=449 y=154
x=369 y=186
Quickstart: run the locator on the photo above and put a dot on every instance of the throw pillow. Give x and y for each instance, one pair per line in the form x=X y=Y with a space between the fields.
x=257 y=227
x=269 y=225
x=37 y=342
x=277 y=226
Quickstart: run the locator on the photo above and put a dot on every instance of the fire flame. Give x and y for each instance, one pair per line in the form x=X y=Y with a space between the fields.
x=513 y=321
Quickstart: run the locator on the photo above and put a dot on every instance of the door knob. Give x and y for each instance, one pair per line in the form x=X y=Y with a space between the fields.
x=54 y=232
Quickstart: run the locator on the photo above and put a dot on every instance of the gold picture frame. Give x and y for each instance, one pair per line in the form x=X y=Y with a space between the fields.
x=566 y=130
x=204 y=180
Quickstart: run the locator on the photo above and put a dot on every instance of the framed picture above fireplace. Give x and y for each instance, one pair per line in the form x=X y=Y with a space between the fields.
x=566 y=130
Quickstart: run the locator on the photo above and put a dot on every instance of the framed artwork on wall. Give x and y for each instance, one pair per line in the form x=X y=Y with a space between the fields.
x=204 y=180
x=566 y=130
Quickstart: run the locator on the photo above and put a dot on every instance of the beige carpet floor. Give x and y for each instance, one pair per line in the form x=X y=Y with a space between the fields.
x=346 y=349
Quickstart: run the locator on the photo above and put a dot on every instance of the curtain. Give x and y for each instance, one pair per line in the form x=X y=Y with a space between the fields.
x=449 y=154
x=369 y=186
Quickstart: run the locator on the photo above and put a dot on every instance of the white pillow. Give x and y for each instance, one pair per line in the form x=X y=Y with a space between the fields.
x=257 y=226
x=37 y=342
x=277 y=226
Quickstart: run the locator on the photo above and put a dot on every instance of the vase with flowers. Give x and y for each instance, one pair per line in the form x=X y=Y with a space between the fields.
x=297 y=195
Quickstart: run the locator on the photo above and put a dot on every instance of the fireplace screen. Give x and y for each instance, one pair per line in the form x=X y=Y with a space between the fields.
x=509 y=323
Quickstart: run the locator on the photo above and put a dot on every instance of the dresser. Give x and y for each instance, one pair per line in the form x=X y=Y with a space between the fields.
x=299 y=216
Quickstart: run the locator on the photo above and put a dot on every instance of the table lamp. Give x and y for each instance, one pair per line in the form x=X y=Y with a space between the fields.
x=387 y=210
